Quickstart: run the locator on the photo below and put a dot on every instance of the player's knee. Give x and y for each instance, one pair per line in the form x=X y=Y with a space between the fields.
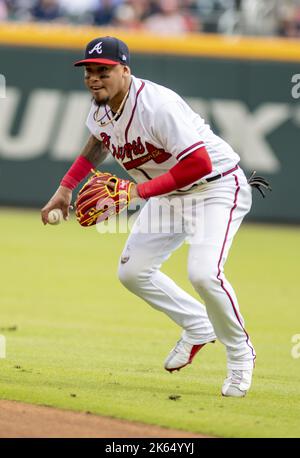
x=202 y=280
x=127 y=277
x=131 y=277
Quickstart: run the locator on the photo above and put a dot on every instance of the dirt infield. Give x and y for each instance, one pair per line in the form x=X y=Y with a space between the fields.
x=25 y=420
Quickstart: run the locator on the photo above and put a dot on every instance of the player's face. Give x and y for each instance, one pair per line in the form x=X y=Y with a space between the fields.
x=106 y=82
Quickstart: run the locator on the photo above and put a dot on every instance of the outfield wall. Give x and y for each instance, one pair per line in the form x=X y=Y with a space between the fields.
x=245 y=88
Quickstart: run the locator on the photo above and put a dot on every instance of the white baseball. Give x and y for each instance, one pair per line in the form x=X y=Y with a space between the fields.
x=55 y=216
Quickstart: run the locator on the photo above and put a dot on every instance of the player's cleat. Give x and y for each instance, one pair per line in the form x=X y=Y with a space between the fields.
x=237 y=383
x=181 y=355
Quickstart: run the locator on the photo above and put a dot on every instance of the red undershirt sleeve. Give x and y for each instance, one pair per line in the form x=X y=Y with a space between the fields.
x=190 y=169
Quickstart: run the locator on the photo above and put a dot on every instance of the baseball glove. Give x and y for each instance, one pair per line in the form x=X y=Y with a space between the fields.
x=96 y=202
x=260 y=183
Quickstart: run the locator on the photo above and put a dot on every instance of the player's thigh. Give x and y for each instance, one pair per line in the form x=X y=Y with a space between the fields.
x=150 y=243
x=222 y=214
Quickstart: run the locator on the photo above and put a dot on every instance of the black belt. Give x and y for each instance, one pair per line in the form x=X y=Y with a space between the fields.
x=216 y=177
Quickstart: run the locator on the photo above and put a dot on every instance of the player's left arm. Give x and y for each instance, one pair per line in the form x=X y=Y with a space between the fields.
x=190 y=169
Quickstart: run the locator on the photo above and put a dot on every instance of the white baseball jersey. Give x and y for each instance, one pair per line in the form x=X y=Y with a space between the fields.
x=156 y=130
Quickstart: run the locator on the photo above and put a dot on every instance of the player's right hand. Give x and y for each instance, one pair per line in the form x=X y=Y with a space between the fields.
x=61 y=199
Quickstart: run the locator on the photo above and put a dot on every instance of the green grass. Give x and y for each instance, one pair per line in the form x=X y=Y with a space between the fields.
x=80 y=332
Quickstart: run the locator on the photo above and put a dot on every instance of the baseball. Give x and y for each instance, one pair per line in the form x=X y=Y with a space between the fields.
x=55 y=216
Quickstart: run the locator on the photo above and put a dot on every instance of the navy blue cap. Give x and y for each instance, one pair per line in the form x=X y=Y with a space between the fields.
x=105 y=50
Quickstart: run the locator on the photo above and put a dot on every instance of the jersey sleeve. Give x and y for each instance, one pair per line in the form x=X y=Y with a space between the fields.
x=175 y=130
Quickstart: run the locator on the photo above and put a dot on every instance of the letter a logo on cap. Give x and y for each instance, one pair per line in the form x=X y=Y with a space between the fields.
x=97 y=47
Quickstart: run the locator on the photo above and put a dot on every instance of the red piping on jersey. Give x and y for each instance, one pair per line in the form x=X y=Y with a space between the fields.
x=219 y=268
x=133 y=110
x=188 y=149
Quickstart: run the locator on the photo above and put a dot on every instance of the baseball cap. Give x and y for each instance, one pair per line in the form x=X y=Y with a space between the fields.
x=105 y=50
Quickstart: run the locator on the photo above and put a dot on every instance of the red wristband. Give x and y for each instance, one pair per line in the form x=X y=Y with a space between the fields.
x=77 y=172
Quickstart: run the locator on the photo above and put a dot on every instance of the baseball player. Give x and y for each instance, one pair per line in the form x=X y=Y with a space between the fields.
x=173 y=156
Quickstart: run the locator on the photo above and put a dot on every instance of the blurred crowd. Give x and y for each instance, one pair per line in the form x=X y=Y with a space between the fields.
x=246 y=17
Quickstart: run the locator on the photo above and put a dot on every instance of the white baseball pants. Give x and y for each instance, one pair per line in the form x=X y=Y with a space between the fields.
x=208 y=219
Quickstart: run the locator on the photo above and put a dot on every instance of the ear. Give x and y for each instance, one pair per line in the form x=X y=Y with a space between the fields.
x=126 y=70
